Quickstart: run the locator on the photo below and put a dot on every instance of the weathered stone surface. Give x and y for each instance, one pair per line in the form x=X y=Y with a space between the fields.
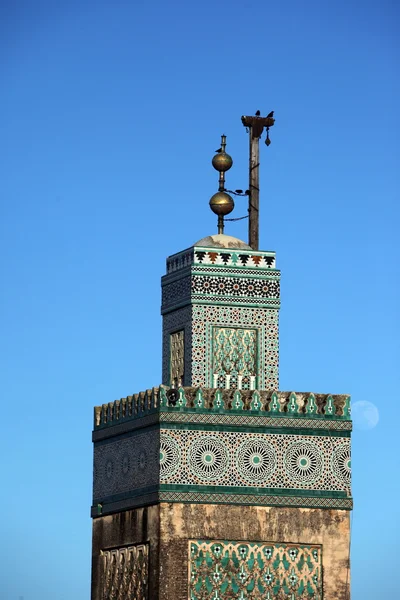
x=182 y=522
x=168 y=528
x=139 y=526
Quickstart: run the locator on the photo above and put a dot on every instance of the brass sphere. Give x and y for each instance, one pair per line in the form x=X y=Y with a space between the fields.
x=221 y=203
x=222 y=162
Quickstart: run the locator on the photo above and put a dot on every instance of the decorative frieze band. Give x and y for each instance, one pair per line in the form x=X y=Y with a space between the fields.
x=277 y=461
x=186 y=460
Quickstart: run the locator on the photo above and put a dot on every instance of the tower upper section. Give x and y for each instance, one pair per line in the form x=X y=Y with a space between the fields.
x=220 y=302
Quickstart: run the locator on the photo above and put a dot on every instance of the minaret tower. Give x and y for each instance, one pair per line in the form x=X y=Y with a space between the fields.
x=215 y=485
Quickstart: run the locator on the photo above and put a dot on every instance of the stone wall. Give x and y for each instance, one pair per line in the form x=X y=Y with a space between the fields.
x=179 y=523
x=158 y=538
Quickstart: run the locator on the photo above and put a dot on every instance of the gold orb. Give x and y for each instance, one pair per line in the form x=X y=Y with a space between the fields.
x=222 y=162
x=221 y=203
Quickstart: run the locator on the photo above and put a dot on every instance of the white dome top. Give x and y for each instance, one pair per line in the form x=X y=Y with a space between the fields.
x=220 y=240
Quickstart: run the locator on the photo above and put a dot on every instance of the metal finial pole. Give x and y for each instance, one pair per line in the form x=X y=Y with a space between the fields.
x=221 y=203
x=255 y=126
x=221 y=186
x=220 y=224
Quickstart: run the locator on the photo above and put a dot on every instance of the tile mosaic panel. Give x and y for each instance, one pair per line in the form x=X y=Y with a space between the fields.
x=125 y=573
x=264 y=321
x=219 y=570
x=125 y=465
x=199 y=322
x=273 y=461
x=234 y=356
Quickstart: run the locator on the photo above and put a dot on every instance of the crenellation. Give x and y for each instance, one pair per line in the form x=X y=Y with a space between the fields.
x=295 y=404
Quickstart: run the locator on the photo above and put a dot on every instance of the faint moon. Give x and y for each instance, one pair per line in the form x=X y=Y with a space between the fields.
x=365 y=415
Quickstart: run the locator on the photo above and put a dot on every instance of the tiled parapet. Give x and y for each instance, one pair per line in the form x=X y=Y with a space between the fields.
x=220 y=319
x=190 y=400
x=204 y=255
x=222 y=446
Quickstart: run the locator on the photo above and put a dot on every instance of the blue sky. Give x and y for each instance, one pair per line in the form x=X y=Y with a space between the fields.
x=110 y=114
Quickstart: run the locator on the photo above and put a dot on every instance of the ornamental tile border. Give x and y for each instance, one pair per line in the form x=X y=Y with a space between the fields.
x=234 y=272
x=254 y=421
x=236 y=258
x=267 y=424
x=273 y=275
x=236 y=287
x=196 y=497
x=221 y=288
x=257 y=500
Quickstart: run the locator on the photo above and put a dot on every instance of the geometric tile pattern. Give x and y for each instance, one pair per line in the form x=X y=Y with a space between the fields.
x=125 y=573
x=274 y=462
x=234 y=286
x=246 y=288
x=252 y=571
x=242 y=291
x=279 y=461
